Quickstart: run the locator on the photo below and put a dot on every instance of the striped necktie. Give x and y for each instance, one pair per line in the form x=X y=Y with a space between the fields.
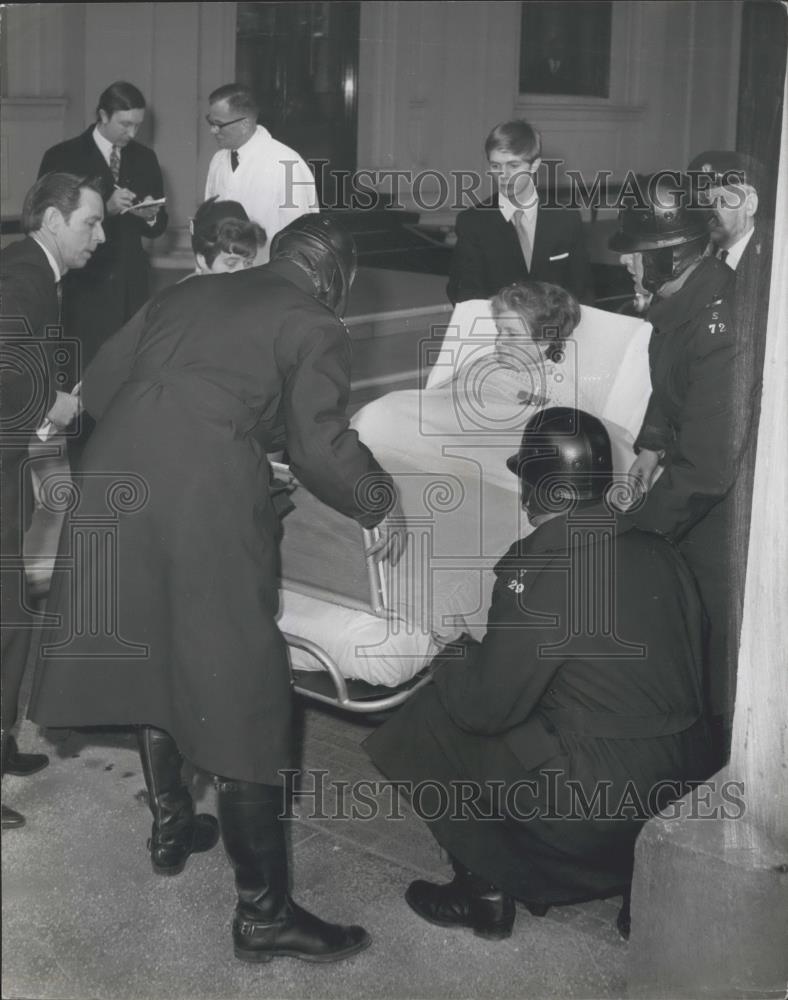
x=114 y=163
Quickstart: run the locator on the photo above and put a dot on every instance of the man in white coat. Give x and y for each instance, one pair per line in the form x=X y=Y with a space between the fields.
x=270 y=180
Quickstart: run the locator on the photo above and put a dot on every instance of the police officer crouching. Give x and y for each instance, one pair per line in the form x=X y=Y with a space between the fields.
x=585 y=694
x=691 y=443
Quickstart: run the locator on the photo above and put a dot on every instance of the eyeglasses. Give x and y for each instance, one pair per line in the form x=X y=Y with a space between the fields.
x=213 y=124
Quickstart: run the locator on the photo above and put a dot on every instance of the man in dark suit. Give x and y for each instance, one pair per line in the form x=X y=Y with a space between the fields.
x=99 y=299
x=516 y=234
x=62 y=216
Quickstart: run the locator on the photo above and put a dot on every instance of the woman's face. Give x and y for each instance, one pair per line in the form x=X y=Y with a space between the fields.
x=225 y=262
x=512 y=332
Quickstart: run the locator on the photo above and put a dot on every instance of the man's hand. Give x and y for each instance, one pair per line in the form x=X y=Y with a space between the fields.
x=642 y=472
x=122 y=199
x=65 y=409
x=393 y=537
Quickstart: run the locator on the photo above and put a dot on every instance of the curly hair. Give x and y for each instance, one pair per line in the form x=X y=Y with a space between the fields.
x=224 y=227
x=549 y=312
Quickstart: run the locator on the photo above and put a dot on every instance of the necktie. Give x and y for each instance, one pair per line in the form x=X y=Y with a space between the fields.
x=518 y=219
x=722 y=255
x=114 y=163
x=234 y=159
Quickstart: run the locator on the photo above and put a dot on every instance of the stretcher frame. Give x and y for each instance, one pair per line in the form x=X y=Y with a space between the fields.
x=328 y=686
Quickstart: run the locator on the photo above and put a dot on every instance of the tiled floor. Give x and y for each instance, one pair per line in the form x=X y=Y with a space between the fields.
x=84 y=917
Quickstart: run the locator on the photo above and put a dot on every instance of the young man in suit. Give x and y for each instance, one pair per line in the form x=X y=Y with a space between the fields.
x=99 y=299
x=515 y=235
x=62 y=217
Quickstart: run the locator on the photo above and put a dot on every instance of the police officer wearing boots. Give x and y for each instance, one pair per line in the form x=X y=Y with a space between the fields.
x=189 y=397
x=698 y=420
x=584 y=694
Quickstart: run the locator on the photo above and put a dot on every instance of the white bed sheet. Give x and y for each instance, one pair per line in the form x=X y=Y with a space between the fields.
x=363 y=646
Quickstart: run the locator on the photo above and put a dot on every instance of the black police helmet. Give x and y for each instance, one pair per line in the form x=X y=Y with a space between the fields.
x=664 y=213
x=567 y=451
x=327 y=253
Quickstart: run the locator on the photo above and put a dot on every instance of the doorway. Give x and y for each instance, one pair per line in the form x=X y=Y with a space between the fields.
x=301 y=61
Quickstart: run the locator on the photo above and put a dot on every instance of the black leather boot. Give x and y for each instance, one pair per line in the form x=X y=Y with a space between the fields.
x=466 y=901
x=11 y=819
x=23 y=764
x=267 y=922
x=176 y=832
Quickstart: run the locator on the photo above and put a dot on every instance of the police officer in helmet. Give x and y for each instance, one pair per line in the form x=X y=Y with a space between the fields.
x=691 y=442
x=588 y=677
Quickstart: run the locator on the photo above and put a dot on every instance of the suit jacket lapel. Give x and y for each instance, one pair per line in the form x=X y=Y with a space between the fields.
x=543 y=236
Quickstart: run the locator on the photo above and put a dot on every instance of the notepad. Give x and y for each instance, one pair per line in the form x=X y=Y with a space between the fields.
x=147 y=203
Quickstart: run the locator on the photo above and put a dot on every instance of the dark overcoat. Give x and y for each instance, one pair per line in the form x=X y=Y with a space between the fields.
x=704 y=394
x=28 y=310
x=166 y=584
x=99 y=298
x=587 y=685
x=488 y=254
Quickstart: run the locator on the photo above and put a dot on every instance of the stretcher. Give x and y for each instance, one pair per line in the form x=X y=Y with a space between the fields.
x=343 y=634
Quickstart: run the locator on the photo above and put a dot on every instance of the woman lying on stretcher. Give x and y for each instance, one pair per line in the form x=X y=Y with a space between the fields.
x=491 y=394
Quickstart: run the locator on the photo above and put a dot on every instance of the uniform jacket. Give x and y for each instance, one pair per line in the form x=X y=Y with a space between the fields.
x=28 y=306
x=188 y=397
x=488 y=253
x=597 y=685
x=98 y=299
x=695 y=355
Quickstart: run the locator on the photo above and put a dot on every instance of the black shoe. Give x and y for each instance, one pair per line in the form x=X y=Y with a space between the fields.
x=23 y=764
x=11 y=818
x=537 y=909
x=169 y=857
x=464 y=903
x=295 y=934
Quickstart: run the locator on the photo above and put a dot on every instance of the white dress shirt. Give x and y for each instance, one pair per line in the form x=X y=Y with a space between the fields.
x=735 y=252
x=104 y=145
x=52 y=262
x=271 y=181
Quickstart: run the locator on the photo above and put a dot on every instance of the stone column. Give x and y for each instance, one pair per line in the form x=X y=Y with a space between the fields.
x=710 y=893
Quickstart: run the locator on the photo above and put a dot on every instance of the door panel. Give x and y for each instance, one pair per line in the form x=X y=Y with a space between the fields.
x=301 y=61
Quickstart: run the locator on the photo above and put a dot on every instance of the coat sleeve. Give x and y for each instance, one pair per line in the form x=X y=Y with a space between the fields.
x=655 y=433
x=211 y=184
x=148 y=182
x=500 y=682
x=298 y=194
x=325 y=453
x=110 y=368
x=468 y=268
x=52 y=161
x=26 y=378
x=705 y=456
